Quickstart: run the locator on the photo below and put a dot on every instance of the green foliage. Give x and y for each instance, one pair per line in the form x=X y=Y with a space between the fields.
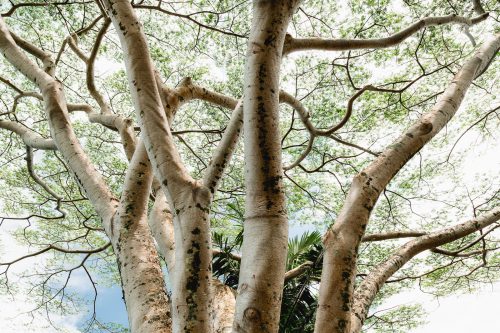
x=429 y=193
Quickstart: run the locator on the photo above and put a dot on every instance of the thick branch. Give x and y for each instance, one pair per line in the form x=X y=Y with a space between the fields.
x=190 y=199
x=140 y=271
x=29 y=137
x=342 y=240
x=45 y=57
x=266 y=224
x=368 y=289
x=62 y=133
x=300 y=44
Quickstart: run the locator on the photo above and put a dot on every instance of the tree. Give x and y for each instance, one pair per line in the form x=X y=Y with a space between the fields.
x=156 y=182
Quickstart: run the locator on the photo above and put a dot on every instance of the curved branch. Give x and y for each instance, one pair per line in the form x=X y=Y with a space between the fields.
x=45 y=57
x=29 y=137
x=62 y=132
x=34 y=176
x=343 y=238
x=370 y=286
x=90 y=68
x=478 y=8
x=300 y=44
x=297 y=271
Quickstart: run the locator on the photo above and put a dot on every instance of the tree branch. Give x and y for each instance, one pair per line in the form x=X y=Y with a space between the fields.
x=62 y=133
x=300 y=44
x=29 y=137
x=367 y=290
x=343 y=238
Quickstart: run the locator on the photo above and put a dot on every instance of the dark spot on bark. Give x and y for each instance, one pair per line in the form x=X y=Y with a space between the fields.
x=342 y=325
x=270 y=40
x=129 y=208
x=193 y=282
x=425 y=128
x=203 y=209
x=196 y=231
x=368 y=207
x=252 y=314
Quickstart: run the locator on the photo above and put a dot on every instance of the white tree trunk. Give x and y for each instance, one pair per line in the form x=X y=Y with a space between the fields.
x=266 y=225
x=343 y=238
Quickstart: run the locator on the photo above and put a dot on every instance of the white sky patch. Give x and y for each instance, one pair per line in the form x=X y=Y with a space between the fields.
x=15 y=318
x=216 y=73
x=464 y=313
x=106 y=67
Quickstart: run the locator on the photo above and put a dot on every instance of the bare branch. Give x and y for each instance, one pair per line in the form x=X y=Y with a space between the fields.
x=392 y=235
x=299 y=44
x=29 y=137
x=297 y=271
x=367 y=290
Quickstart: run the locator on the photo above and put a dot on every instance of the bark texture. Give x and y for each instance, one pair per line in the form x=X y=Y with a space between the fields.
x=142 y=278
x=191 y=299
x=266 y=226
x=343 y=238
x=368 y=289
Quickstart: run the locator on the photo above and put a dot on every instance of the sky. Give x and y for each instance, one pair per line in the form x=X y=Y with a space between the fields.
x=465 y=313
x=457 y=313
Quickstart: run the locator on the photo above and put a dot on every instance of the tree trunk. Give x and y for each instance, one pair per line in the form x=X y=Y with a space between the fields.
x=343 y=238
x=266 y=225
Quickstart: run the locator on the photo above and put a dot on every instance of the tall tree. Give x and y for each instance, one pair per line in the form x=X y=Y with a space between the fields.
x=121 y=139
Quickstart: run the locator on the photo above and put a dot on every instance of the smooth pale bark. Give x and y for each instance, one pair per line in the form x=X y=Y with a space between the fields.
x=162 y=228
x=225 y=149
x=114 y=121
x=343 y=238
x=147 y=303
x=303 y=44
x=265 y=235
x=190 y=200
x=89 y=62
x=62 y=133
x=140 y=271
x=223 y=309
x=29 y=137
x=391 y=235
x=46 y=58
x=160 y=221
x=368 y=289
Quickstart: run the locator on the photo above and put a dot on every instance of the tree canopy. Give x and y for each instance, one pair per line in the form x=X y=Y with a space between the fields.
x=239 y=166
